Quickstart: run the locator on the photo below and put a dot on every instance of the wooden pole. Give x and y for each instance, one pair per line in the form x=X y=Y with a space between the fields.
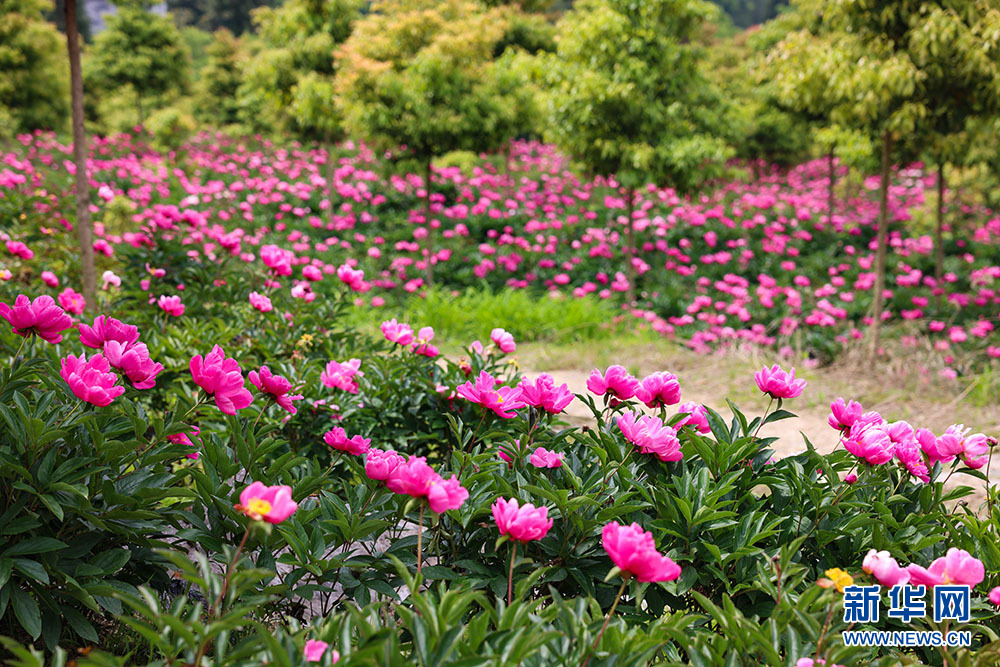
x=83 y=226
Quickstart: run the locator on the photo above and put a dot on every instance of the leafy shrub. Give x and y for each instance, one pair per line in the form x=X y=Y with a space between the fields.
x=110 y=521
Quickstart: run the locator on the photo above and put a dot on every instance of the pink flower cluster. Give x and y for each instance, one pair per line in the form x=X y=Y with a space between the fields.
x=957 y=567
x=222 y=378
x=871 y=438
x=413 y=477
x=650 y=435
x=501 y=400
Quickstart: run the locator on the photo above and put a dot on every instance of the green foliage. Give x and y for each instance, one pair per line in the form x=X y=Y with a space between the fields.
x=287 y=84
x=626 y=95
x=219 y=81
x=418 y=74
x=170 y=127
x=213 y=15
x=34 y=77
x=143 y=53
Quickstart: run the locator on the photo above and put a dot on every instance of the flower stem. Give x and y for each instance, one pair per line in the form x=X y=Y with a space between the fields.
x=510 y=573
x=420 y=535
x=607 y=619
x=222 y=593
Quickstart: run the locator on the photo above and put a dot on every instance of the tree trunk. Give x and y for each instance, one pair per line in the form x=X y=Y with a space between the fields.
x=83 y=227
x=833 y=181
x=427 y=221
x=883 y=241
x=330 y=169
x=630 y=244
x=939 y=232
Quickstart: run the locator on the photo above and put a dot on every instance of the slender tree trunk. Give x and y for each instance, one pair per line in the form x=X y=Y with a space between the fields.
x=427 y=221
x=883 y=241
x=939 y=231
x=630 y=244
x=331 y=168
x=83 y=227
x=833 y=181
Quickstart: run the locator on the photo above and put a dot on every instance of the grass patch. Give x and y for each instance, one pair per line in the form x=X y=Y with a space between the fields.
x=465 y=316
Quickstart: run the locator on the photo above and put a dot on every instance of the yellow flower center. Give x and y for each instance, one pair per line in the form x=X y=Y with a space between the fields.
x=258 y=508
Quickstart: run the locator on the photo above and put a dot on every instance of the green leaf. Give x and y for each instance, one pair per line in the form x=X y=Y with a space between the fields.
x=27 y=612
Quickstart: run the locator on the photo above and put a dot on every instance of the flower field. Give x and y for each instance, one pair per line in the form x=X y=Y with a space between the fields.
x=218 y=464
x=758 y=263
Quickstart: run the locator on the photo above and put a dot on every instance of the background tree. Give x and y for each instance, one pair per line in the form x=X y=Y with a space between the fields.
x=211 y=15
x=143 y=52
x=418 y=73
x=34 y=90
x=627 y=98
x=219 y=81
x=294 y=58
x=957 y=48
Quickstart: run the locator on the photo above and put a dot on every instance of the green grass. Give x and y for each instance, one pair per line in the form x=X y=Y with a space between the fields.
x=470 y=315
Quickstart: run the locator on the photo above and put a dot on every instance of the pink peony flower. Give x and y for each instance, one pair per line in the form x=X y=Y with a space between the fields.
x=941 y=449
x=222 y=378
x=522 y=524
x=276 y=387
x=777 y=383
x=351 y=277
x=337 y=438
x=72 y=301
x=277 y=259
x=422 y=344
x=171 y=305
x=19 y=249
x=398 y=333
x=650 y=435
x=697 y=417
x=974 y=448
x=50 y=279
x=315 y=650
x=41 y=317
x=91 y=380
x=380 y=464
x=272 y=504
x=632 y=549
x=107 y=328
x=185 y=439
x=339 y=375
x=503 y=340
x=133 y=360
x=843 y=415
x=413 y=477
x=616 y=382
x=885 y=569
x=446 y=494
x=957 y=567
x=659 y=390
x=544 y=394
x=543 y=458
x=870 y=442
x=502 y=401
x=261 y=302
x=995 y=596
x=110 y=278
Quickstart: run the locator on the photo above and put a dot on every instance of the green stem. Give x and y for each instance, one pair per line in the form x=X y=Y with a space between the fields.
x=222 y=593
x=607 y=619
x=510 y=573
x=420 y=536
